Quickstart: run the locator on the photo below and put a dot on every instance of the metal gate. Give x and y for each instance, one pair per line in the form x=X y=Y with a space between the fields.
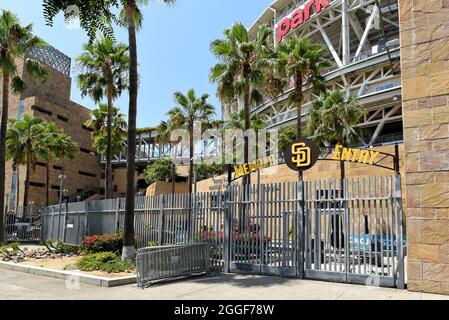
x=264 y=229
x=23 y=225
x=352 y=230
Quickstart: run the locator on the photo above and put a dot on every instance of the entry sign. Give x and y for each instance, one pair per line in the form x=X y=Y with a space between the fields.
x=301 y=155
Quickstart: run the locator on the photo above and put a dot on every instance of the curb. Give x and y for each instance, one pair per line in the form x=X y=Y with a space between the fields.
x=69 y=275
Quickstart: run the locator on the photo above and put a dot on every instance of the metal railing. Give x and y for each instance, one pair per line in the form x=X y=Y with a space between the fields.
x=156 y=264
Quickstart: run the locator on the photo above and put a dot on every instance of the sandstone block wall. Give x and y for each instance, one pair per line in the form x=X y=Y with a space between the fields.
x=424 y=29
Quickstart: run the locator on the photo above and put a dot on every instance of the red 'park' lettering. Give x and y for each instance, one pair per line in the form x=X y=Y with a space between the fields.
x=298 y=17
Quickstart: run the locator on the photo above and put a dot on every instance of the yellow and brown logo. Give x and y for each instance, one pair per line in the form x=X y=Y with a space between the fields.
x=301 y=155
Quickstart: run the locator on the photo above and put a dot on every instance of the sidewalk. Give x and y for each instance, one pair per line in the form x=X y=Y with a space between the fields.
x=16 y=285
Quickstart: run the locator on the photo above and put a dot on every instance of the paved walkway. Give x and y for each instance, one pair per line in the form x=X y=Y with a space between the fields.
x=17 y=285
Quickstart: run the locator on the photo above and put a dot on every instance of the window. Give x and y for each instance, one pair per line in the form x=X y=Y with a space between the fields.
x=37 y=185
x=58 y=168
x=115 y=188
x=21 y=109
x=62 y=118
x=41 y=164
x=84 y=150
x=55 y=187
x=38 y=109
x=87 y=174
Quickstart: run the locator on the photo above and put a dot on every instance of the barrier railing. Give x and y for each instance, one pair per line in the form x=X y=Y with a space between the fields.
x=157 y=264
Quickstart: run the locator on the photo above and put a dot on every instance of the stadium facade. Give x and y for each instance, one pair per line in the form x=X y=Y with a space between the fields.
x=361 y=39
x=393 y=55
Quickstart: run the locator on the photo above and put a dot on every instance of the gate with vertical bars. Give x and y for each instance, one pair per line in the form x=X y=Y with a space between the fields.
x=346 y=231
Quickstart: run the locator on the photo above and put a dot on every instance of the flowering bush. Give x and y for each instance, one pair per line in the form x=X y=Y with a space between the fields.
x=104 y=243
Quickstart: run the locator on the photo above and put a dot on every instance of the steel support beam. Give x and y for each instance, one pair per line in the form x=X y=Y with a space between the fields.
x=368 y=27
x=345 y=32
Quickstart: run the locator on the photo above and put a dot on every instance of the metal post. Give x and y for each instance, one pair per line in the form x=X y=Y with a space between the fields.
x=65 y=219
x=301 y=229
x=52 y=224
x=400 y=273
x=161 y=220
x=86 y=219
x=117 y=215
x=347 y=245
x=396 y=159
x=61 y=191
x=195 y=204
x=227 y=231
x=345 y=32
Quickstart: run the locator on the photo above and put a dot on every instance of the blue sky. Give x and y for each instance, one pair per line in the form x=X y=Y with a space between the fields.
x=173 y=47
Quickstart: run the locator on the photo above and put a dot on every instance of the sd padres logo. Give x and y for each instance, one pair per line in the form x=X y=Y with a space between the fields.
x=301 y=155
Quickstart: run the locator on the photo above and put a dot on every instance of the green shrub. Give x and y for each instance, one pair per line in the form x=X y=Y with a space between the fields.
x=10 y=250
x=103 y=261
x=67 y=248
x=117 y=266
x=94 y=262
x=104 y=243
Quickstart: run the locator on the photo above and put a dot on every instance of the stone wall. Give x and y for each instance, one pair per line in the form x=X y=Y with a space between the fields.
x=425 y=74
x=160 y=187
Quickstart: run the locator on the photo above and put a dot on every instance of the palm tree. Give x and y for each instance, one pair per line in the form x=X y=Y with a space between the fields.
x=301 y=60
x=332 y=121
x=15 y=40
x=240 y=71
x=97 y=15
x=237 y=121
x=105 y=67
x=101 y=141
x=189 y=108
x=57 y=146
x=25 y=144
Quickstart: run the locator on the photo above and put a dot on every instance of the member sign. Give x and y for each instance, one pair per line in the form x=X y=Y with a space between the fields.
x=301 y=155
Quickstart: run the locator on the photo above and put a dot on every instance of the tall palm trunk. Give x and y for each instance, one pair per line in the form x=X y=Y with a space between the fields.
x=26 y=193
x=129 y=251
x=47 y=184
x=3 y=126
x=246 y=106
x=108 y=175
x=298 y=106
x=17 y=188
x=191 y=152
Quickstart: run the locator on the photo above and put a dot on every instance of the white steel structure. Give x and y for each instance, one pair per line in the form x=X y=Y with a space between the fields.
x=362 y=41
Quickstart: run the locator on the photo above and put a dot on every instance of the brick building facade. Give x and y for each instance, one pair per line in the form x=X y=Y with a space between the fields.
x=51 y=101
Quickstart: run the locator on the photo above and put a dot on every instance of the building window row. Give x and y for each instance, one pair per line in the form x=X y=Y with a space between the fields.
x=62 y=118
x=41 y=110
x=84 y=150
x=37 y=185
x=87 y=174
